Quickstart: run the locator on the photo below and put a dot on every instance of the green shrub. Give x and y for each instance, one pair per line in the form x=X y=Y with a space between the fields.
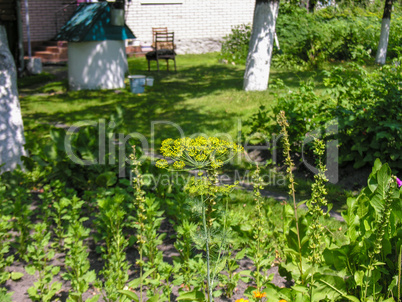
x=366 y=106
x=329 y=34
x=369 y=113
x=235 y=45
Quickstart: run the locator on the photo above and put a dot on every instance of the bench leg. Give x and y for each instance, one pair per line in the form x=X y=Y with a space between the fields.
x=157 y=63
x=149 y=65
x=167 y=64
x=174 y=64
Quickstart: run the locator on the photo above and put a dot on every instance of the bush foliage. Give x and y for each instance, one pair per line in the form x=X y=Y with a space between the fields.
x=365 y=105
x=330 y=33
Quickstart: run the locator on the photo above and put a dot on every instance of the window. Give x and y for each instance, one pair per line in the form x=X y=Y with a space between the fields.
x=162 y=1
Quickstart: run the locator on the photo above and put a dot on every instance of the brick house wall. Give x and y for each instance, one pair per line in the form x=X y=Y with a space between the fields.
x=199 y=25
x=42 y=18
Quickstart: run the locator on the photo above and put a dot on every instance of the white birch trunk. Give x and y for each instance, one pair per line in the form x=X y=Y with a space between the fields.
x=11 y=127
x=259 y=57
x=381 y=55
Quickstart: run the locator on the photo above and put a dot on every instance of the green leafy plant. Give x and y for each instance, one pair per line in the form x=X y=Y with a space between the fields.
x=22 y=220
x=259 y=247
x=230 y=278
x=40 y=254
x=153 y=220
x=139 y=201
x=338 y=270
x=5 y=244
x=109 y=226
x=184 y=245
x=373 y=218
x=370 y=119
x=54 y=207
x=235 y=45
x=54 y=155
x=76 y=261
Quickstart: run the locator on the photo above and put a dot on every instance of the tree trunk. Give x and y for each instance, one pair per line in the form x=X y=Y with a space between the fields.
x=11 y=128
x=381 y=55
x=259 y=57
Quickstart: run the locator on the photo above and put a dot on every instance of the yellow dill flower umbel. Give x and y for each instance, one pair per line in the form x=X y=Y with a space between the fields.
x=197 y=153
x=241 y=300
x=282 y=300
x=179 y=164
x=162 y=163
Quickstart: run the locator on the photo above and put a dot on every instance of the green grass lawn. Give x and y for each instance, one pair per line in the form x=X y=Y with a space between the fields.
x=204 y=96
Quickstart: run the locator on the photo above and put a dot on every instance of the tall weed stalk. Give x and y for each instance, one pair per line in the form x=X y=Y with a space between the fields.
x=292 y=192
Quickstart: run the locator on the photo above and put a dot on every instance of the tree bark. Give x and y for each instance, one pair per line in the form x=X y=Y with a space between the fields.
x=381 y=55
x=11 y=127
x=259 y=57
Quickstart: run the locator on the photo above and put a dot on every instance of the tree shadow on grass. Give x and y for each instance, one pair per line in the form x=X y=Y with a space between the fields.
x=162 y=102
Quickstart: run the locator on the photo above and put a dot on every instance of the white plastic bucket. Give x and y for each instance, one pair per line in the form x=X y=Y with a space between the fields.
x=137 y=83
x=149 y=81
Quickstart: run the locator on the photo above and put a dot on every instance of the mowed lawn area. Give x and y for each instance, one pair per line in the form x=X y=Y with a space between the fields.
x=203 y=96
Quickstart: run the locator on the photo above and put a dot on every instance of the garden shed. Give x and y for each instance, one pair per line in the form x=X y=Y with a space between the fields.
x=96 y=35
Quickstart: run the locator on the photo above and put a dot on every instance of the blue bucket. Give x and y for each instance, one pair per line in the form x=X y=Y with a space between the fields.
x=137 y=83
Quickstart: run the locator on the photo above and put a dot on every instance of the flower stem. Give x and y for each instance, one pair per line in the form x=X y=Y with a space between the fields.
x=141 y=273
x=204 y=223
x=399 y=272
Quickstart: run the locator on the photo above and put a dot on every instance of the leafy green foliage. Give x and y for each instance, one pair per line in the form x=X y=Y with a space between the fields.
x=76 y=158
x=359 y=267
x=22 y=222
x=5 y=244
x=109 y=225
x=76 y=262
x=39 y=255
x=369 y=114
x=307 y=40
x=235 y=45
x=365 y=105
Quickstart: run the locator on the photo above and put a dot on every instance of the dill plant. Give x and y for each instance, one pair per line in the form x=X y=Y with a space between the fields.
x=202 y=154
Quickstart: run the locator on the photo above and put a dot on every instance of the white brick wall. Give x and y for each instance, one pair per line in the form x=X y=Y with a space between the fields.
x=193 y=19
x=203 y=20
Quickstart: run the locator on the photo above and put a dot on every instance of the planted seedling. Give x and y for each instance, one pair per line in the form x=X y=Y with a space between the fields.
x=40 y=254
